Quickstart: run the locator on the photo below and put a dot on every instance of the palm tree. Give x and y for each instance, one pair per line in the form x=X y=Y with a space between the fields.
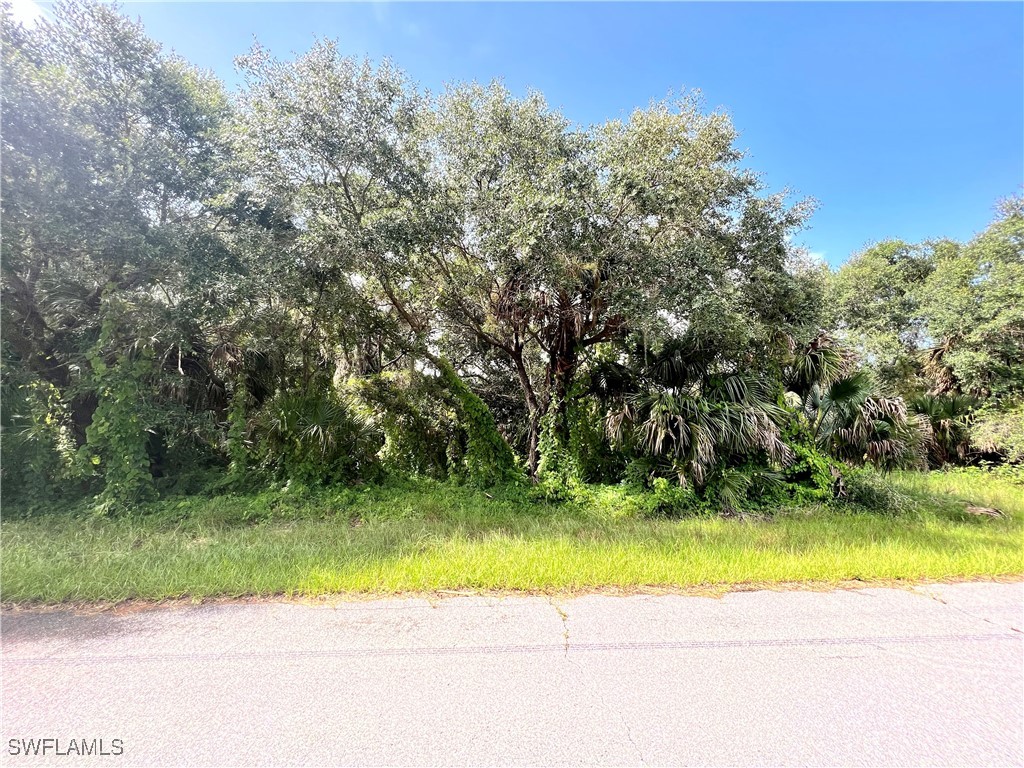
x=846 y=415
x=855 y=424
x=697 y=420
x=820 y=362
x=949 y=417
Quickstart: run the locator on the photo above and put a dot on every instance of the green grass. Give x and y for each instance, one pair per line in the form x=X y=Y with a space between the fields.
x=425 y=536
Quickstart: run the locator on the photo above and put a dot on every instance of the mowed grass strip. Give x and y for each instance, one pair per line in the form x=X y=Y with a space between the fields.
x=423 y=536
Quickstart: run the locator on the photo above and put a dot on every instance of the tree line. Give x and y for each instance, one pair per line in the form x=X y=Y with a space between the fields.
x=331 y=274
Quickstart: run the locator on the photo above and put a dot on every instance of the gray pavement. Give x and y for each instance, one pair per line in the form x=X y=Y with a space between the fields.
x=929 y=676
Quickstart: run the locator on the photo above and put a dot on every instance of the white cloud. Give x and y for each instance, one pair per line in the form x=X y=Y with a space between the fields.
x=28 y=12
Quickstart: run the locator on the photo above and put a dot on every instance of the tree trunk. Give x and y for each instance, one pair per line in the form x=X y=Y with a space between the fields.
x=533 y=407
x=562 y=364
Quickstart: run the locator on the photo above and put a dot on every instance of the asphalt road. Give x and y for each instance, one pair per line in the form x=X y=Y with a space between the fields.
x=930 y=676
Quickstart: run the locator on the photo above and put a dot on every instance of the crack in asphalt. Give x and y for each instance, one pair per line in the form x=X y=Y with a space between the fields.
x=923 y=590
x=565 y=622
x=564 y=616
x=629 y=735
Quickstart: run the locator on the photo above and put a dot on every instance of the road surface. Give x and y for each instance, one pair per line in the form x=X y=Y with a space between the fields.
x=929 y=676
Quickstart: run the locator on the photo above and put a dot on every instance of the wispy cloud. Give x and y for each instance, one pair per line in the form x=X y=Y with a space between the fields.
x=381 y=10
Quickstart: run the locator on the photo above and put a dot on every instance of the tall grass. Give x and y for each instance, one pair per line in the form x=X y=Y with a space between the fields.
x=1003 y=491
x=426 y=536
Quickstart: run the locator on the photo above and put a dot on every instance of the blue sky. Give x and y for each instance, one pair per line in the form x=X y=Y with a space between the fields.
x=902 y=120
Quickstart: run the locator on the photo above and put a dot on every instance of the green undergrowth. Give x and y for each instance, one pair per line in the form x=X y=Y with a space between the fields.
x=422 y=535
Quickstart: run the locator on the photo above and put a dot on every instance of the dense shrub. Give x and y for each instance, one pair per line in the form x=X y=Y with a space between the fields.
x=419 y=419
x=39 y=456
x=315 y=437
x=812 y=475
x=999 y=432
x=671 y=499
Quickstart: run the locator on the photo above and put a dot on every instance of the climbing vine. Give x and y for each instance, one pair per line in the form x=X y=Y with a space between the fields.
x=488 y=459
x=118 y=437
x=418 y=417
